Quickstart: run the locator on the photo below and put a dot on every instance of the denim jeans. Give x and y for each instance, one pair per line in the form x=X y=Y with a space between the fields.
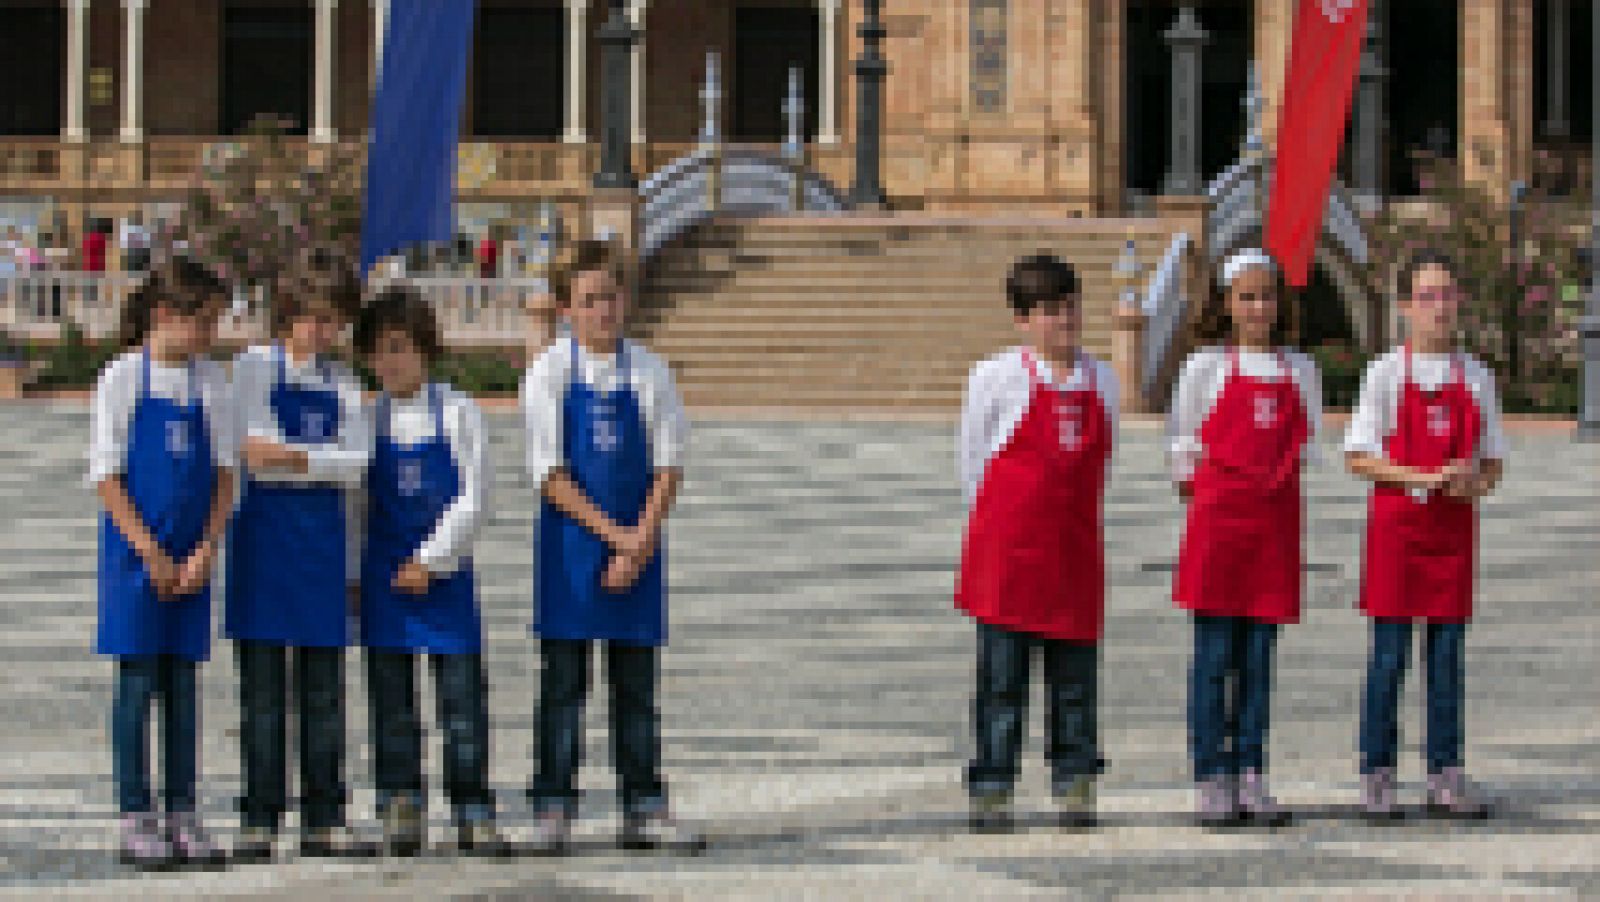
x=461 y=698
x=1443 y=649
x=635 y=731
x=1000 y=708
x=1230 y=695
x=140 y=680
x=264 y=700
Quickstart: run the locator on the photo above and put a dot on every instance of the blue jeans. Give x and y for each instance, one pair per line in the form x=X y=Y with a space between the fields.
x=1443 y=648
x=264 y=700
x=1230 y=695
x=140 y=681
x=461 y=697
x=1000 y=708
x=635 y=730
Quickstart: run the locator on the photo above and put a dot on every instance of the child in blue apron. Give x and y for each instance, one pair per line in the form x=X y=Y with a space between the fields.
x=426 y=495
x=606 y=434
x=305 y=442
x=161 y=459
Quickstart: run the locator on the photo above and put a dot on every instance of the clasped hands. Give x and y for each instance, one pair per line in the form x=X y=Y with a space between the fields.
x=631 y=549
x=1461 y=479
x=174 y=579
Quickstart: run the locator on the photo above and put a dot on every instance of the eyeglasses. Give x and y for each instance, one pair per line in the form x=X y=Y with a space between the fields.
x=1437 y=295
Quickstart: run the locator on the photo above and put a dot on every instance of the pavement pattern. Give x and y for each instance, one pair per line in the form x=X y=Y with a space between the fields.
x=817 y=689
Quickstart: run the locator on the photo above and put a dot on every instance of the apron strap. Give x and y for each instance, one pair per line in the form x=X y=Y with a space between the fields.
x=192 y=393
x=437 y=406
x=1078 y=363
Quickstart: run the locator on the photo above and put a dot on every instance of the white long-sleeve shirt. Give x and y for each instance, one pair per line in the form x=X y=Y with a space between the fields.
x=1374 y=418
x=544 y=385
x=411 y=421
x=1200 y=383
x=998 y=391
x=117 y=391
x=340 y=462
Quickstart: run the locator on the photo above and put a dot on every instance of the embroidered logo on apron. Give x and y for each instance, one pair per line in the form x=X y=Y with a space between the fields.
x=1071 y=428
x=605 y=428
x=1335 y=9
x=410 y=477
x=314 y=424
x=178 y=439
x=1438 y=420
x=1266 y=411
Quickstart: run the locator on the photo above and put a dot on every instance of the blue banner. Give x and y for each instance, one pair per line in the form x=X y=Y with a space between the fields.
x=416 y=121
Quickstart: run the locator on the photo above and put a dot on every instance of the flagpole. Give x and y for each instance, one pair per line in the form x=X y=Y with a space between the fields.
x=1589 y=325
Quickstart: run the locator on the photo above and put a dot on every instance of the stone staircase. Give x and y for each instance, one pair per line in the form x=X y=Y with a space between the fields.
x=861 y=314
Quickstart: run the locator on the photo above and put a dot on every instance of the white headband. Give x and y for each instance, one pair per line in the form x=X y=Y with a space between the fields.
x=1250 y=258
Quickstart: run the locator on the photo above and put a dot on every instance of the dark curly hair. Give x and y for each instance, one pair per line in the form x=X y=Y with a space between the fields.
x=400 y=310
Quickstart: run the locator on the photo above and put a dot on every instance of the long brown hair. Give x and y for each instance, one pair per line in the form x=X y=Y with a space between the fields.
x=1214 y=325
x=179 y=285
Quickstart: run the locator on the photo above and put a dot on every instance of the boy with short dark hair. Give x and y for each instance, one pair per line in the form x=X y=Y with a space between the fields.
x=1036 y=435
x=426 y=497
x=606 y=438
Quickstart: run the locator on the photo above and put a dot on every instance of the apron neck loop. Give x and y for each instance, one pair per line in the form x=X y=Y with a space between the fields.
x=1078 y=363
x=144 y=377
x=574 y=365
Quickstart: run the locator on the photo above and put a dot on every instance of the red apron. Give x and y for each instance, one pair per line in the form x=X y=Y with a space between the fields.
x=1034 y=556
x=1420 y=555
x=1240 y=555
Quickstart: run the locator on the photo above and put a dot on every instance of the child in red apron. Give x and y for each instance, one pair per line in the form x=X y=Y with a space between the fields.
x=1244 y=416
x=606 y=436
x=426 y=497
x=1036 y=436
x=1427 y=433
x=162 y=461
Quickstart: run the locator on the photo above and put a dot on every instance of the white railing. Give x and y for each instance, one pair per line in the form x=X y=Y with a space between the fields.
x=34 y=305
x=472 y=311
x=1166 y=306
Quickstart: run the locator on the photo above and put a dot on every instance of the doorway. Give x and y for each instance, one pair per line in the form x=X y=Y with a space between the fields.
x=32 y=39
x=266 y=66
x=767 y=42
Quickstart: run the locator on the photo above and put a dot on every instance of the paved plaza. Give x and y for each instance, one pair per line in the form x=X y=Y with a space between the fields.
x=816 y=695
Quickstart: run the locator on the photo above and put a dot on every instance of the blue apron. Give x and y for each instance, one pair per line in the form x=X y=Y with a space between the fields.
x=286 y=546
x=170 y=476
x=607 y=453
x=409 y=487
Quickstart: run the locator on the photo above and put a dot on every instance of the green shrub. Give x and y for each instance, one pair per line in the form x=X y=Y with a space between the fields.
x=1342 y=367
x=74 y=361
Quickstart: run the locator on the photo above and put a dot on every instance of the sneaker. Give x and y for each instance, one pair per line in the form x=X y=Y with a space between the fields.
x=144 y=845
x=1256 y=804
x=482 y=839
x=551 y=832
x=1377 y=796
x=1216 y=802
x=335 y=842
x=190 y=844
x=255 y=844
x=659 y=831
x=1076 y=803
x=990 y=812
x=402 y=828
x=1450 y=795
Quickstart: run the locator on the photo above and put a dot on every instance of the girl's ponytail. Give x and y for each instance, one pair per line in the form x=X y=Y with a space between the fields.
x=178 y=284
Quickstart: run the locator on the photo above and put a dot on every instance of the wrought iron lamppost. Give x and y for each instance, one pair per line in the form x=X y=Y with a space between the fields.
x=617 y=37
x=871 y=69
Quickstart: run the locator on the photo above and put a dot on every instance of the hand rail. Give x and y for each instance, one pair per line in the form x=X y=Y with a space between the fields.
x=1165 y=306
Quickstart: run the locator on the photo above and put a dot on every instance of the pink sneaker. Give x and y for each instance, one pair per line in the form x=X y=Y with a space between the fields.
x=190 y=844
x=1256 y=804
x=143 y=843
x=1377 y=796
x=1450 y=795
x=1216 y=802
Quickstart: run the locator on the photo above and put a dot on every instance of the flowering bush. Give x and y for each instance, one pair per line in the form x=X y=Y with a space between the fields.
x=258 y=205
x=1520 y=304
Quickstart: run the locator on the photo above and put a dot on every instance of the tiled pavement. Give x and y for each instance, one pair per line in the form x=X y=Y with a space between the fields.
x=816 y=695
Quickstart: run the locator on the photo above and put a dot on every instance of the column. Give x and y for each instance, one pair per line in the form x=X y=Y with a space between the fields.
x=828 y=81
x=133 y=69
x=617 y=38
x=871 y=70
x=1185 y=38
x=1559 y=18
x=1369 y=115
x=380 y=28
x=636 y=11
x=577 y=43
x=322 y=76
x=77 y=57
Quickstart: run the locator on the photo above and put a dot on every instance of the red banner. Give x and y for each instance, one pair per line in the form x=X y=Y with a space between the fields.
x=1323 y=58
